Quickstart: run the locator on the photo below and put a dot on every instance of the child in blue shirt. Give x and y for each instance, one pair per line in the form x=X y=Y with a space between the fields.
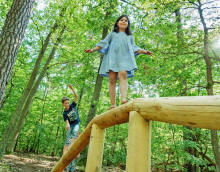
x=72 y=120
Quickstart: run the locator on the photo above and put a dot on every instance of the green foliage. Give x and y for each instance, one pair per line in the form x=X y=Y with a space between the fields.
x=176 y=69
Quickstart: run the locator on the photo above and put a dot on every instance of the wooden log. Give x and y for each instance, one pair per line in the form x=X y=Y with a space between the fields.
x=115 y=116
x=199 y=111
x=139 y=144
x=95 y=152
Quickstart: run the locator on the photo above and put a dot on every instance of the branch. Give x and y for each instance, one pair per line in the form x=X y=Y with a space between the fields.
x=61 y=63
x=129 y=3
x=142 y=21
x=207 y=158
x=191 y=2
x=216 y=82
x=212 y=18
x=215 y=55
x=190 y=8
x=186 y=53
x=209 y=8
x=209 y=2
x=133 y=4
x=215 y=58
x=200 y=86
x=39 y=98
x=211 y=28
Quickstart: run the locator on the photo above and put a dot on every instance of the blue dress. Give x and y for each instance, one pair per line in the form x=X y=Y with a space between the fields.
x=119 y=51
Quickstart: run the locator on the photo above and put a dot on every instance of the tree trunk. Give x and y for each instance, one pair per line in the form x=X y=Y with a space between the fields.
x=27 y=147
x=41 y=119
x=98 y=87
x=191 y=136
x=183 y=92
x=11 y=37
x=209 y=86
x=16 y=144
x=80 y=96
x=98 y=84
x=53 y=152
x=27 y=90
x=179 y=33
x=96 y=95
x=9 y=92
x=25 y=94
x=33 y=146
x=19 y=123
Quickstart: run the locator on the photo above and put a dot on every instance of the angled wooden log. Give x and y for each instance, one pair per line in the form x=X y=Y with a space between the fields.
x=115 y=116
x=74 y=149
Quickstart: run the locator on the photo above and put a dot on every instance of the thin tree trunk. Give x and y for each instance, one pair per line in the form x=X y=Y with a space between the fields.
x=216 y=148
x=53 y=152
x=11 y=37
x=98 y=84
x=98 y=87
x=20 y=121
x=80 y=96
x=16 y=144
x=183 y=92
x=41 y=119
x=27 y=147
x=99 y=79
x=179 y=33
x=210 y=83
x=96 y=95
x=33 y=146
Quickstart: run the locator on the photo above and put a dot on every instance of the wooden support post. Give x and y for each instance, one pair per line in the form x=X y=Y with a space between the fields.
x=139 y=144
x=95 y=152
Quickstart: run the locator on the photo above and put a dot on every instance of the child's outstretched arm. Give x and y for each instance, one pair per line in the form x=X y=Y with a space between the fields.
x=71 y=87
x=94 y=49
x=144 y=52
x=138 y=50
x=102 y=44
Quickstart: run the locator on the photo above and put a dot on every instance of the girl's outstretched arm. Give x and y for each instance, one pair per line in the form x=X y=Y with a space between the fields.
x=144 y=52
x=102 y=44
x=138 y=50
x=94 y=49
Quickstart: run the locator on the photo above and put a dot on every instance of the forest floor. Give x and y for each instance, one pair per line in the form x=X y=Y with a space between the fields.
x=21 y=162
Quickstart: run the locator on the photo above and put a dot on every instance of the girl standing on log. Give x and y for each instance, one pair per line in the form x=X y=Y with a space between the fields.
x=119 y=51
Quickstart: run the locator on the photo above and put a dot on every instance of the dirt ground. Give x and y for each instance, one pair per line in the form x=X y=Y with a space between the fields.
x=20 y=162
x=27 y=163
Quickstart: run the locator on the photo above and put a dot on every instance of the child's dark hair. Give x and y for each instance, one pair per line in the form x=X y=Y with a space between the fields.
x=127 y=30
x=64 y=99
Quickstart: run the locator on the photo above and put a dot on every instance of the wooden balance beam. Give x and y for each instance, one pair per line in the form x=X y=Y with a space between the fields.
x=199 y=111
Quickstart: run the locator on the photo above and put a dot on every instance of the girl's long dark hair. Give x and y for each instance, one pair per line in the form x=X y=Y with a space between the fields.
x=127 y=30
